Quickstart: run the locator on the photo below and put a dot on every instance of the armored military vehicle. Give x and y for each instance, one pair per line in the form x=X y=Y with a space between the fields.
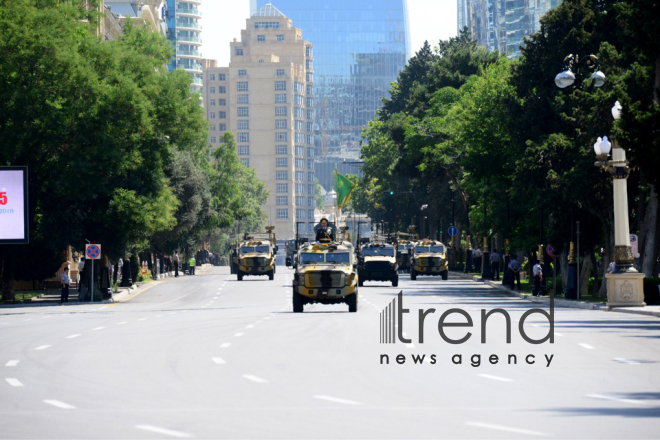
x=377 y=261
x=429 y=258
x=256 y=255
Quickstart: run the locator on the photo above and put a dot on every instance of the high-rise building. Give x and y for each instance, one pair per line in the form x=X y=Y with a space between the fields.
x=265 y=98
x=359 y=49
x=502 y=25
x=184 y=30
x=149 y=13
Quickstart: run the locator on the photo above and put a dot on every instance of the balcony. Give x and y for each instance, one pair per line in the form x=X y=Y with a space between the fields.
x=189 y=12
x=193 y=67
x=180 y=24
x=187 y=39
x=189 y=53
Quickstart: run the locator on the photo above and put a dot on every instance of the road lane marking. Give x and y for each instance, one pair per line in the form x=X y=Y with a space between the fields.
x=587 y=346
x=12 y=363
x=14 y=382
x=254 y=378
x=122 y=323
x=59 y=404
x=98 y=328
x=337 y=400
x=72 y=336
x=225 y=345
x=42 y=347
x=219 y=360
x=249 y=326
x=142 y=319
x=626 y=361
x=163 y=431
x=488 y=376
x=558 y=334
x=238 y=334
x=616 y=399
x=506 y=429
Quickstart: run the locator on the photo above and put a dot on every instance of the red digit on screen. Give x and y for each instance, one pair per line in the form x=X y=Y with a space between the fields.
x=3 y=198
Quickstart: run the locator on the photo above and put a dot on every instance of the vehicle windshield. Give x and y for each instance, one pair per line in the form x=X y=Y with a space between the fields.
x=320 y=257
x=383 y=252
x=248 y=249
x=438 y=249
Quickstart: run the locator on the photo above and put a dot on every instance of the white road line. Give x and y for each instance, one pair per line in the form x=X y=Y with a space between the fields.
x=626 y=361
x=558 y=334
x=42 y=347
x=506 y=429
x=73 y=336
x=616 y=399
x=225 y=345
x=27 y=320
x=142 y=319
x=14 y=382
x=12 y=363
x=238 y=334
x=254 y=378
x=259 y=322
x=488 y=376
x=218 y=360
x=98 y=328
x=337 y=400
x=163 y=431
x=122 y=323
x=59 y=404
x=587 y=346
x=249 y=326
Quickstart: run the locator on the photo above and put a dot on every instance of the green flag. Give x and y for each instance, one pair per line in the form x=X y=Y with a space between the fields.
x=344 y=189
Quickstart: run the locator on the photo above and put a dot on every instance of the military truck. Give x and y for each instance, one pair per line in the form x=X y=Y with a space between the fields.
x=377 y=262
x=325 y=273
x=257 y=254
x=429 y=258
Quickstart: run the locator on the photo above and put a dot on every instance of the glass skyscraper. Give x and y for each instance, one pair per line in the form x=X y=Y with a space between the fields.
x=360 y=46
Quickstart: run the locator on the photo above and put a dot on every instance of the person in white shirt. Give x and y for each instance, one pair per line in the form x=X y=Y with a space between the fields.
x=514 y=267
x=64 y=297
x=476 y=259
x=537 y=271
x=81 y=271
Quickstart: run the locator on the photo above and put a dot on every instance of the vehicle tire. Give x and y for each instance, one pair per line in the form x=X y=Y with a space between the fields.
x=239 y=275
x=271 y=274
x=352 y=301
x=413 y=274
x=297 y=302
x=395 y=281
x=445 y=275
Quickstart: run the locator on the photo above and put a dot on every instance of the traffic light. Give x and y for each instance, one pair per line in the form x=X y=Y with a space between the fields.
x=391 y=193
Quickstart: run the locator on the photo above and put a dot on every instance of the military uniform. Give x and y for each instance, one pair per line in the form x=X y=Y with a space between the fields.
x=325 y=235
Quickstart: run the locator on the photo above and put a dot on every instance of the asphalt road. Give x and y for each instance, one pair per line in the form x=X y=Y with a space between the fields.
x=210 y=357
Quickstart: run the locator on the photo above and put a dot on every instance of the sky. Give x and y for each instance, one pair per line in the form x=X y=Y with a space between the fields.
x=431 y=20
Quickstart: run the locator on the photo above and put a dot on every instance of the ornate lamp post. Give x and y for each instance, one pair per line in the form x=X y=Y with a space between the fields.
x=624 y=285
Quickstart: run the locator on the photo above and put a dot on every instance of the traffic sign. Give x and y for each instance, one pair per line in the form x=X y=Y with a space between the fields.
x=453 y=230
x=552 y=252
x=93 y=251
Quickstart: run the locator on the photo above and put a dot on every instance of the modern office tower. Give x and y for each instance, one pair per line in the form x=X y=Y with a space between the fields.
x=502 y=25
x=265 y=98
x=360 y=46
x=184 y=30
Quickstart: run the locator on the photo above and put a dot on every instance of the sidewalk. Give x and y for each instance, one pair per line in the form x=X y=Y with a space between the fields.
x=648 y=310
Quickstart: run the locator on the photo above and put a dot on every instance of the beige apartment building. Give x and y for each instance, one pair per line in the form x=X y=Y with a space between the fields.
x=265 y=98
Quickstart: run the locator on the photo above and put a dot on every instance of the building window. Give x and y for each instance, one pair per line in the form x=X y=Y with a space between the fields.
x=267 y=25
x=239 y=51
x=280 y=86
x=242 y=86
x=245 y=161
x=243 y=112
x=212 y=115
x=310 y=214
x=300 y=150
x=261 y=37
x=211 y=89
x=280 y=124
x=282 y=188
x=298 y=87
x=310 y=164
x=309 y=76
x=310 y=139
x=310 y=189
x=310 y=152
x=280 y=111
x=213 y=139
x=297 y=100
x=212 y=102
x=222 y=115
x=281 y=175
x=243 y=124
x=280 y=72
x=299 y=138
x=212 y=127
x=310 y=176
x=300 y=163
x=309 y=64
x=300 y=201
x=282 y=213
x=280 y=136
x=280 y=37
x=298 y=125
x=243 y=137
x=308 y=51
x=261 y=60
x=310 y=203
x=300 y=176
x=243 y=98
x=310 y=90
x=281 y=162
x=310 y=126
x=222 y=102
x=221 y=77
x=310 y=102
x=310 y=114
x=300 y=188
x=222 y=127
x=282 y=200
x=280 y=149
x=243 y=150
x=297 y=112
x=222 y=89
x=242 y=72
x=280 y=98
x=212 y=76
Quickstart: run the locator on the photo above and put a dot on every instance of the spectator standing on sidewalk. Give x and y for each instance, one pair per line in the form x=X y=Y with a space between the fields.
x=81 y=271
x=537 y=271
x=64 y=297
x=476 y=259
x=192 y=265
x=514 y=268
x=176 y=264
x=495 y=264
